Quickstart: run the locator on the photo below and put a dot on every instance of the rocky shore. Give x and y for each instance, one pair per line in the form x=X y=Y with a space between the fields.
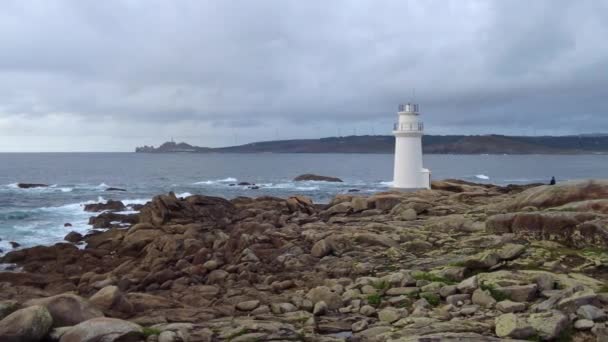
x=461 y=262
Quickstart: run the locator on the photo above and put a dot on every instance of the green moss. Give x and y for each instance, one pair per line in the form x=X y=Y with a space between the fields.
x=374 y=299
x=535 y=338
x=603 y=289
x=381 y=285
x=432 y=298
x=496 y=294
x=565 y=335
x=457 y=264
x=241 y=332
x=150 y=331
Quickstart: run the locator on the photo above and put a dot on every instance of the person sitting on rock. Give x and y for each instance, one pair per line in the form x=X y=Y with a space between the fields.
x=552 y=181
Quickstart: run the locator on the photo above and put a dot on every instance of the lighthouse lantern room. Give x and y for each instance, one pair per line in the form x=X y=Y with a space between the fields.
x=409 y=172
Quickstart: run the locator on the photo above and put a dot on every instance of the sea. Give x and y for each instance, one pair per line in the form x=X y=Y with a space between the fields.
x=37 y=216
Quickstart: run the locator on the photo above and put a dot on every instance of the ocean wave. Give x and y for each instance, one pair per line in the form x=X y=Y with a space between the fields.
x=387 y=183
x=45 y=189
x=482 y=176
x=217 y=181
x=15 y=215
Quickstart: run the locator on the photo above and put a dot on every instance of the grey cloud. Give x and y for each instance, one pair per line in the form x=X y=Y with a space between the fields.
x=219 y=69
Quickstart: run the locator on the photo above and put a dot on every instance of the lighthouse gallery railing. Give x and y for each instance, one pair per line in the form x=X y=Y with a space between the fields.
x=409 y=127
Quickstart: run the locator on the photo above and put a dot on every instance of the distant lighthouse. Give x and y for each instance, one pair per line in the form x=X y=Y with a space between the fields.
x=408 y=131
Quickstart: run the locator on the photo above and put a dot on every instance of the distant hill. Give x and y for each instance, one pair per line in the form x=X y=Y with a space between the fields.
x=432 y=144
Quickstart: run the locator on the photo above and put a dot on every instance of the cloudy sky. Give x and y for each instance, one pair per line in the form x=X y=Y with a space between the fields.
x=110 y=75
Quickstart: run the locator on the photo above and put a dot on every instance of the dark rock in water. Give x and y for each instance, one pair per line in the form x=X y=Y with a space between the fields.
x=311 y=177
x=15 y=244
x=353 y=190
x=73 y=237
x=67 y=224
x=32 y=185
x=111 y=205
x=136 y=207
x=255 y=187
x=232 y=184
x=116 y=189
x=105 y=220
x=244 y=183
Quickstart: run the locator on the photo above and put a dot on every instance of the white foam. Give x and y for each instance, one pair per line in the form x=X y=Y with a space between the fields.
x=37 y=190
x=217 y=181
x=135 y=201
x=183 y=194
x=307 y=188
x=387 y=183
x=482 y=176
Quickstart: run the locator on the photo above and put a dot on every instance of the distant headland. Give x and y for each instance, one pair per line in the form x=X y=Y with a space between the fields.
x=432 y=144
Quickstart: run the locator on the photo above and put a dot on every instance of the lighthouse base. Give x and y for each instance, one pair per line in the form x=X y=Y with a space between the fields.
x=419 y=181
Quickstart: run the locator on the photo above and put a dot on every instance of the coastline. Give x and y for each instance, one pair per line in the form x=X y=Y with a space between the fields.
x=460 y=261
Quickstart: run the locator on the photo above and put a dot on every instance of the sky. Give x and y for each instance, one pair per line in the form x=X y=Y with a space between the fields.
x=111 y=75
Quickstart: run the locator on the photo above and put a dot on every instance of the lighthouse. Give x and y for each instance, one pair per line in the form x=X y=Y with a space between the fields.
x=409 y=172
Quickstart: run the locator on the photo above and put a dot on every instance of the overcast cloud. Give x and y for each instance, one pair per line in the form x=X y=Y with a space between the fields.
x=110 y=75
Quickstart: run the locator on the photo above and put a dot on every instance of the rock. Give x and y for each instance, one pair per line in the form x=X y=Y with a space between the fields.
x=385 y=202
x=408 y=215
x=280 y=308
x=468 y=285
x=584 y=324
x=510 y=251
x=359 y=326
x=591 y=312
x=217 y=277
x=67 y=309
x=31 y=185
x=7 y=307
x=571 y=303
x=482 y=261
x=169 y=336
x=402 y=291
x=458 y=299
x=165 y=209
x=103 y=330
x=389 y=315
x=570 y=228
x=110 y=205
x=248 y=305
x=552 y=196
x=73 y=237
x=483 y=298
x=67 y=224
x=520 y=293
x=548 y=325
x=448 y=290
x=115 y=189
x=31 y=324
x=110 y=298
x=334 y=244
x=312 y=177
x=15 y=244
x=508 y=306
x=109 y=219
x=367 y=310
x=325 y=294
x=319 y=309
x=509 y=325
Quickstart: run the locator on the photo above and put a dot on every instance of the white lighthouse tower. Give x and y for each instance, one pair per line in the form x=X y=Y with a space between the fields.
x=408 y=131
